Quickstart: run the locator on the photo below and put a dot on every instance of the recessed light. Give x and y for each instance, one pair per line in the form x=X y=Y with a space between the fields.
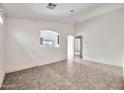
x=71 y=11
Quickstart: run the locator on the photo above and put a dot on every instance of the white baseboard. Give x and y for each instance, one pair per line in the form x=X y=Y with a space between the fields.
x=53 y=62
x=100 y=61
x=36 y=66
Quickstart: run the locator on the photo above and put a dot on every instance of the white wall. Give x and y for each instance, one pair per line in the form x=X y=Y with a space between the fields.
x=102 y=38
x=2 y=56
x=23 y=43
x=123 y=50
x=123 y=53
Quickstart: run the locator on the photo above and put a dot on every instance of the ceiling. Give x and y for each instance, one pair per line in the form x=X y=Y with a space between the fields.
x=38 y=11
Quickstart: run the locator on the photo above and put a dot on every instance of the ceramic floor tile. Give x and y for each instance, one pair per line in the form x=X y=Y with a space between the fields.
x=66 y=75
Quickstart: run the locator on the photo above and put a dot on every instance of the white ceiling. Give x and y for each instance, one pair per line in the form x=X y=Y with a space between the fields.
x=38 y=11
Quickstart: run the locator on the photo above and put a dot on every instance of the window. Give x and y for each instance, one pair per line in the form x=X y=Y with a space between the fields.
x=1 y=20
x=48 y=44
x=49 y=39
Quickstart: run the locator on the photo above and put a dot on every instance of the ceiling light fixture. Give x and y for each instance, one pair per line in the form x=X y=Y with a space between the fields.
x=51 y=5
x=71 y=11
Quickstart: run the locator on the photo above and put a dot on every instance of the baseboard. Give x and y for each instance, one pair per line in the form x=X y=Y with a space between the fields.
x=37 y=66
x=53 y=62
x=22 y=69
x=100 y=62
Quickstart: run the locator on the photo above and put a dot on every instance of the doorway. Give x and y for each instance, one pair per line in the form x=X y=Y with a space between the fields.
x=70 y=46
x=78 y=46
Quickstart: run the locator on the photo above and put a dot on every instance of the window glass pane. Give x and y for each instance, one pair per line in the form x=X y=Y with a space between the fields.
x=49 y=39
x=1 y=20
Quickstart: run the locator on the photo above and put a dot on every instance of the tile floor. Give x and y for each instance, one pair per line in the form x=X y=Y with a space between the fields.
x=66 y=75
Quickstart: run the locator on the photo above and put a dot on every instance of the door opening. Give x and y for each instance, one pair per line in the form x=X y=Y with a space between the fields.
x=78 y=46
